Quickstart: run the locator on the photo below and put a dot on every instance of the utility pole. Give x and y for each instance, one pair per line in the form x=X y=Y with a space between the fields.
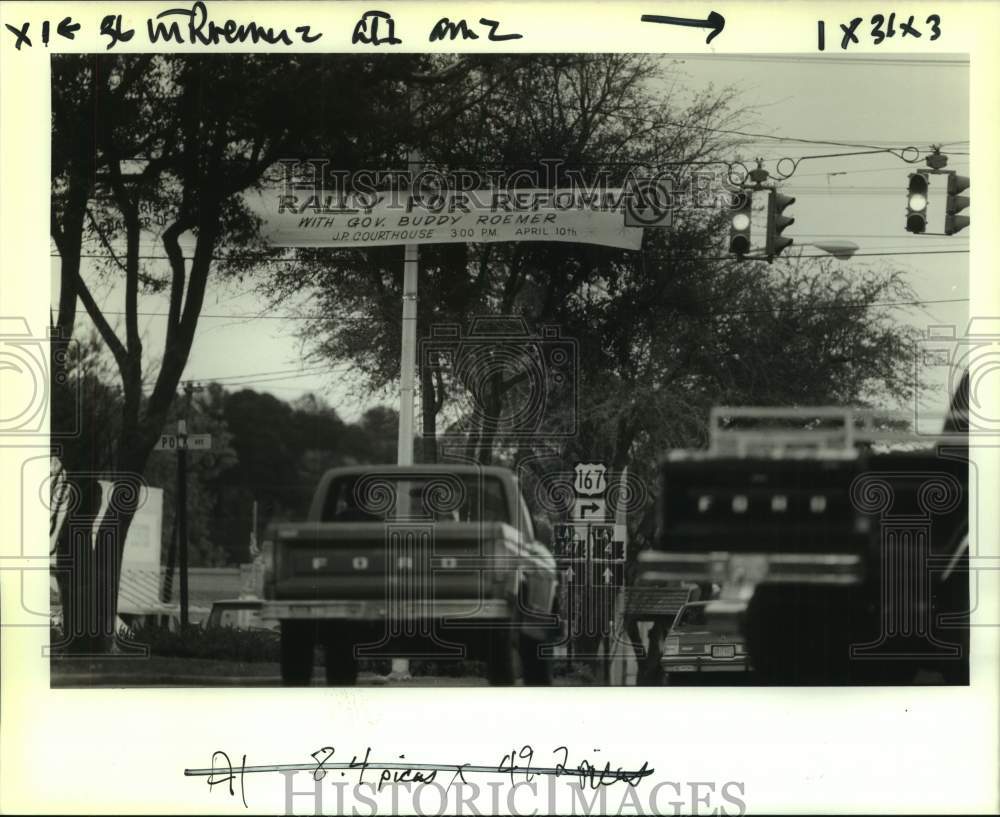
x=408 y=351
x=182 y=537
x=182 y=529
x=407 y=369
x=167 y=593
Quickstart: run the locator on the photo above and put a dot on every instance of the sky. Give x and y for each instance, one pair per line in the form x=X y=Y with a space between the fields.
x=876 y=102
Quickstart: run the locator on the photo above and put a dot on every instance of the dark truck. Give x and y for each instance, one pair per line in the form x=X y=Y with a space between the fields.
x=435 y=562
x=842 y=539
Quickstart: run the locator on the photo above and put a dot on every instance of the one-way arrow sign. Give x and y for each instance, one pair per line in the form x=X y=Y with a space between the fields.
x=715 y=21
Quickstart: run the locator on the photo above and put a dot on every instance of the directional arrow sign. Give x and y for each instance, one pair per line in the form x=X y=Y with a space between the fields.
x=715 y=21
x=590 y=509
x=607 y=576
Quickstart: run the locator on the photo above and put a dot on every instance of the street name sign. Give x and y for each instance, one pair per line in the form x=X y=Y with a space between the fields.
x=186 y=442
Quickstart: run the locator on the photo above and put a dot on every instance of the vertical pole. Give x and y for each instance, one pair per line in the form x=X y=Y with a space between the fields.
x=408 y=352
x=182 y=533
x=168 y=576
x=254 y=535
x=408 y=357
x=407 y=370
x=256 y=575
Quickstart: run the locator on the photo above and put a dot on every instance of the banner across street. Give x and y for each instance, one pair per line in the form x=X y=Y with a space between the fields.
x=457 y=217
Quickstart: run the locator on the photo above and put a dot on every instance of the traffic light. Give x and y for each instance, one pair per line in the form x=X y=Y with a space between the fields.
x=739 y=227
x=776 y=222
x=916 y=204
x=956 y=203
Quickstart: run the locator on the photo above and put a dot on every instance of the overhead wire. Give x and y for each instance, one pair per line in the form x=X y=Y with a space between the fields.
x=299 y=261
x=219 y=378
x=820 y=59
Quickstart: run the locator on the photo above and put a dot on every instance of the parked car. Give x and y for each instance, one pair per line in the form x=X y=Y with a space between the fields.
x=704 y=639
x=242 y=614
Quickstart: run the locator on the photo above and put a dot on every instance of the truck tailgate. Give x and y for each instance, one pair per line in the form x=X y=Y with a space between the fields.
x=376 y=560
x=742 y=505
x=724 y=519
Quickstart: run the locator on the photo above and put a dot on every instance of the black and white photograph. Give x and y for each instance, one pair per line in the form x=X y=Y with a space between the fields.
x=399 y=367
x=573 y=369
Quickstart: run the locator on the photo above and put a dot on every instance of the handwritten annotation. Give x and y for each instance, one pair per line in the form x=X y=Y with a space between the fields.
x=517 y=763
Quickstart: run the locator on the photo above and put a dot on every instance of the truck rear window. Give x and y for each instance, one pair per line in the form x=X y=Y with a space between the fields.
x=439 y=497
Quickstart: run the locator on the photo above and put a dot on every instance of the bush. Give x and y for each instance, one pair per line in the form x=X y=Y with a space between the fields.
x=576 y=672
x=420 y=667
x=218 y=643
x=458 y=668
x=230 y=644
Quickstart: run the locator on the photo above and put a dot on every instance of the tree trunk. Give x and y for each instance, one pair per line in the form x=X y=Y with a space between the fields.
x=491 y=418
x=624 y=438
x=75 y=569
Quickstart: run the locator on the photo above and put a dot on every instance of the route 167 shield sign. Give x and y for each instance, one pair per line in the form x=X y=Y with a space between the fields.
x=590 y=478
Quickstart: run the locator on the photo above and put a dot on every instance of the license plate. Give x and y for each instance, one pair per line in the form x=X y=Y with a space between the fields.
x=682 y=668
x=724 y=651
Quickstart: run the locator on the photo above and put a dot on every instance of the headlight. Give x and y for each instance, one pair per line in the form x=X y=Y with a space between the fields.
x=671 y=645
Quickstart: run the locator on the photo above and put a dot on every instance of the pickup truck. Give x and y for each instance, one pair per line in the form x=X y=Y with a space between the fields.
x=425 y=561
x=841 y=535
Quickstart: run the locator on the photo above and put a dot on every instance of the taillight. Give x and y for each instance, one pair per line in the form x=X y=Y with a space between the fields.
x=671 y=645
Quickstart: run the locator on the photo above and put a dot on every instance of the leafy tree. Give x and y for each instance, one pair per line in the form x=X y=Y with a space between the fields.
x=281 y=451
x=145 y=140
x=663 y=333
x=579 y=110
